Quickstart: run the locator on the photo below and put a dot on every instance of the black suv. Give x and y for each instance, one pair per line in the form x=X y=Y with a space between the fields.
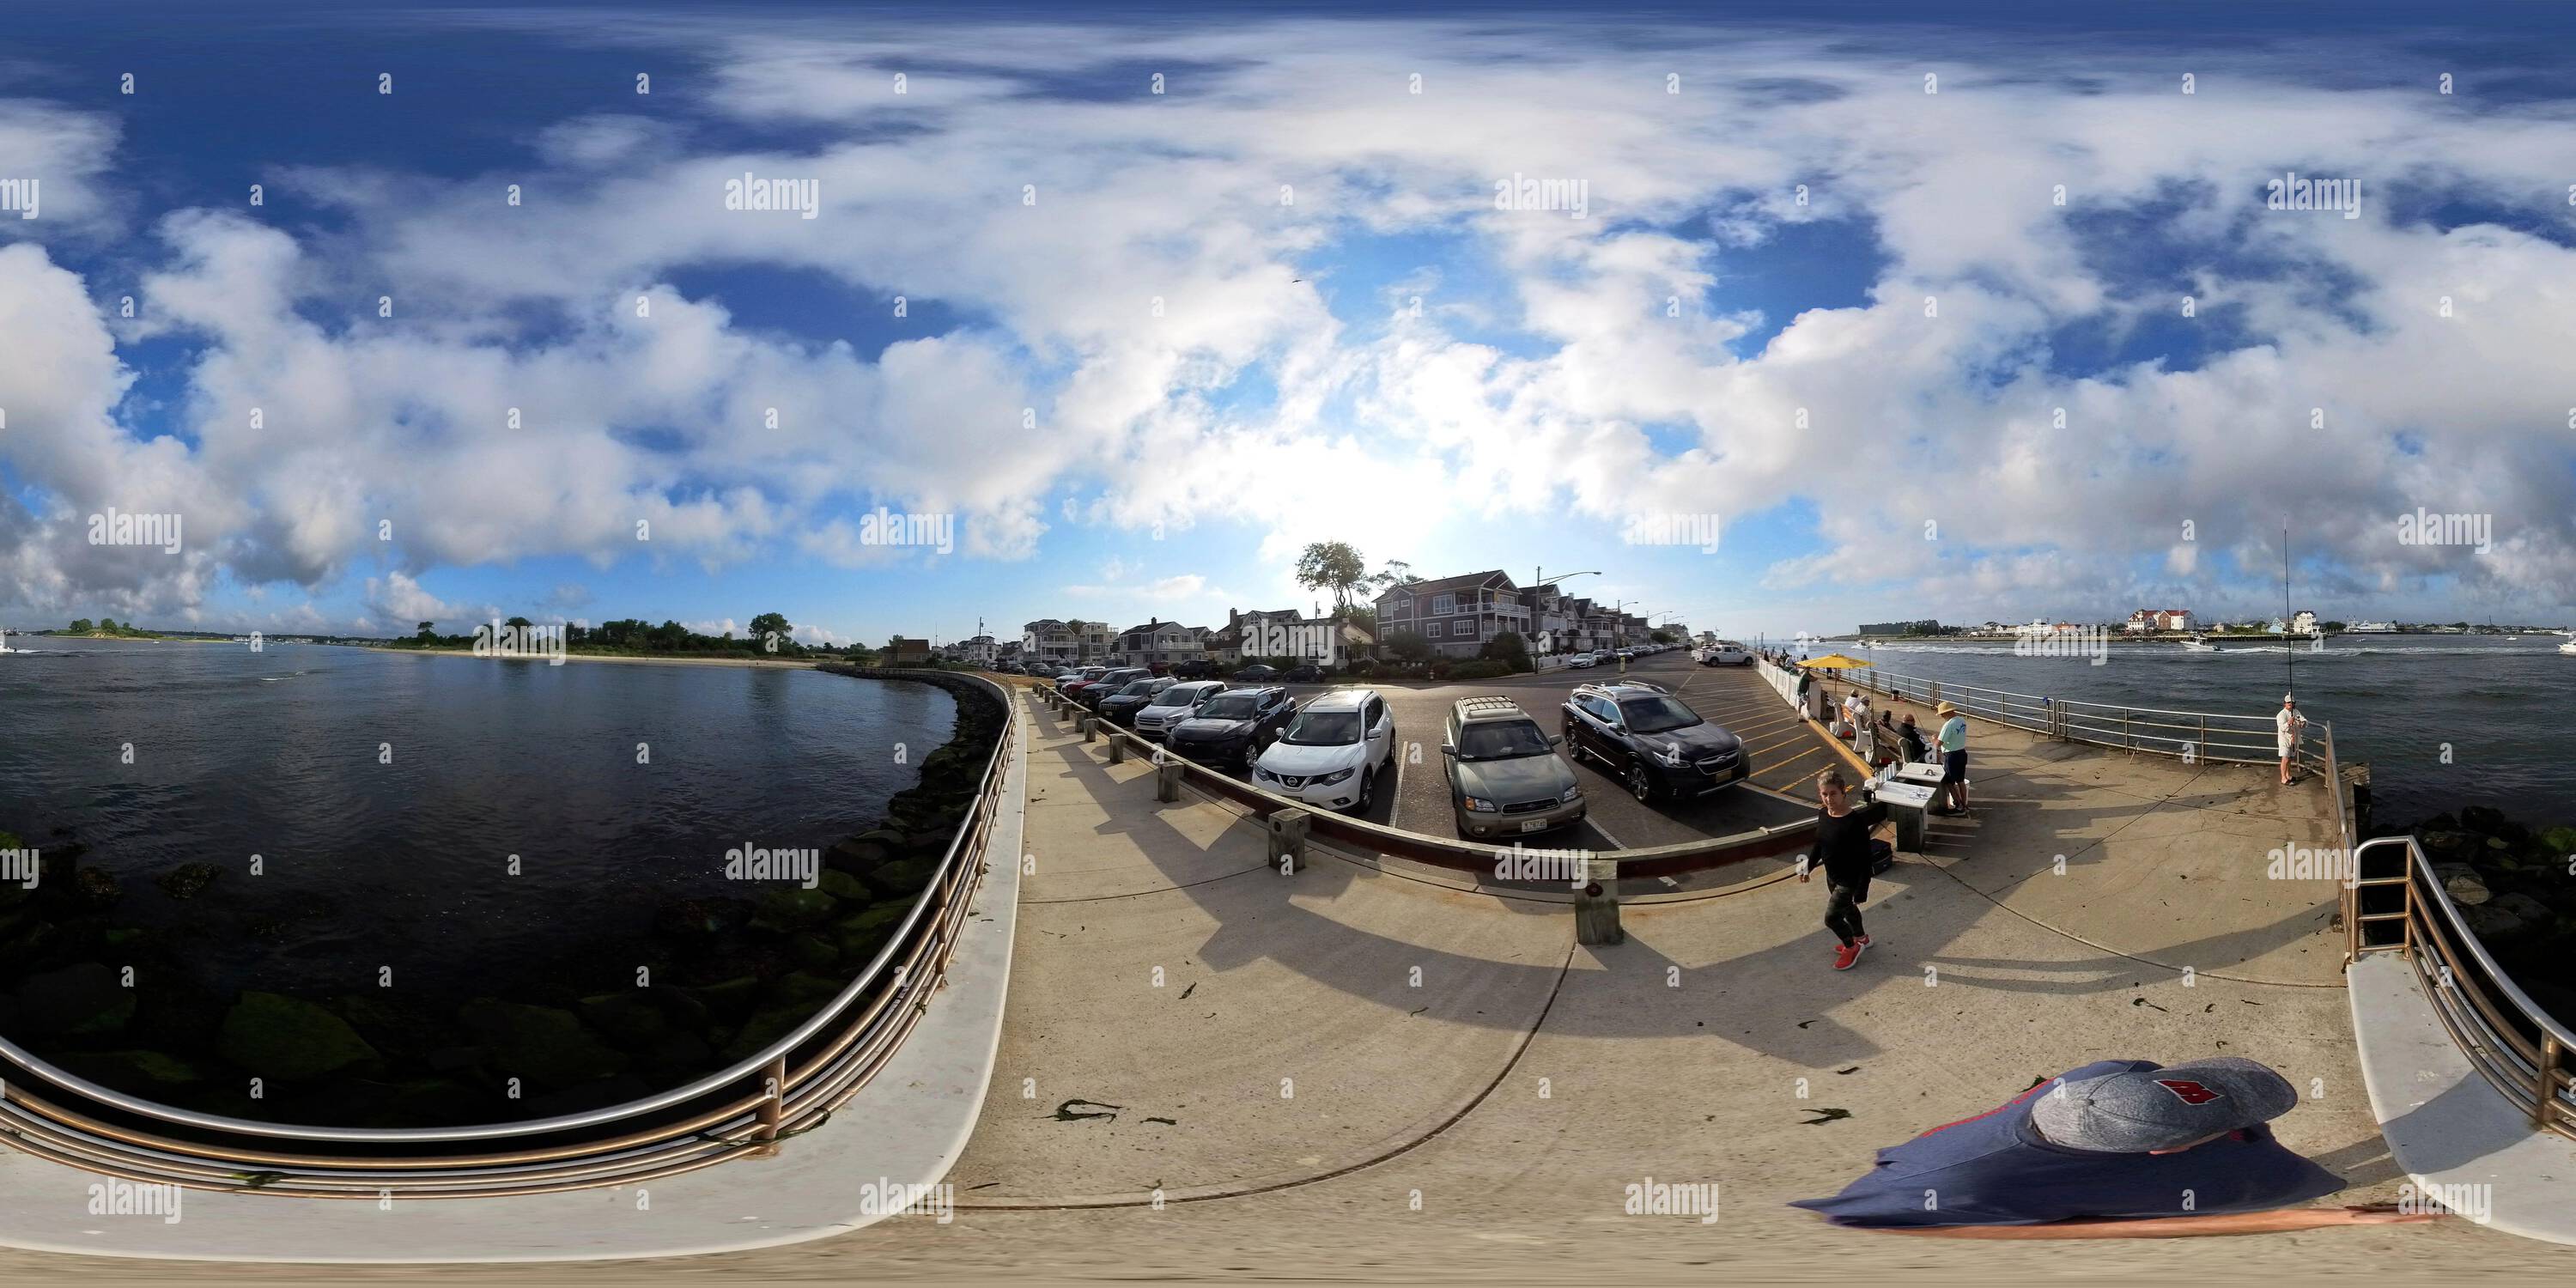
x=1650 y=742
x=1233 y=727
x=1256 y=674
x=1121 y=707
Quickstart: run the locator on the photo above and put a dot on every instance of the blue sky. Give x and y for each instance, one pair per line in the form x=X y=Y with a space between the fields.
x=1917 y=353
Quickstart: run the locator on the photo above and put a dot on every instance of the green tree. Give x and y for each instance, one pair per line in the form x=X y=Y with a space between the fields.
x=1661 y=637
x=82 y=626
x=107 y=624
x=768 y=624
x=426 y=632
x=1332 y=565
x=520 y=623
x=1407 y=646
x=1508 y=647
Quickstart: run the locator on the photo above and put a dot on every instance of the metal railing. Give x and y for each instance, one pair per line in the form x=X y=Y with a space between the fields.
x=745 y=1109
x=2523 y=1051
x=2189 y=735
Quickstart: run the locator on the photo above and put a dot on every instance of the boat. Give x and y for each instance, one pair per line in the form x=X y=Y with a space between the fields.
x=2568 y=648
x=2199 y=644
x=4 y=641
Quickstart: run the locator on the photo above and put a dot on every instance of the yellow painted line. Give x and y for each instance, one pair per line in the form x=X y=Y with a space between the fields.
x=1790 y=761
x=1793 y=736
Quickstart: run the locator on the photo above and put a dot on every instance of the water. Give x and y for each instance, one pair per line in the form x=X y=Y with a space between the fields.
x=404 y=865
x=2444 y=720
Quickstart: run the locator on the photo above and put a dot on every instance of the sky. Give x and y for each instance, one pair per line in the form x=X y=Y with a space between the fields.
x=898 y=320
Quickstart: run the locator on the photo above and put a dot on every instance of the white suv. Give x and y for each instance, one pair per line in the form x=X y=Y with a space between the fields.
x=1332 y=753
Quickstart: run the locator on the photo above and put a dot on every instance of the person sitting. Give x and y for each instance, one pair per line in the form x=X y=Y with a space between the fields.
x=1909 y=740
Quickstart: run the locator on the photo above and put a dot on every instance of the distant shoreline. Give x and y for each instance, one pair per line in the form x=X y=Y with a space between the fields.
x=806 y=663
x=140 y=639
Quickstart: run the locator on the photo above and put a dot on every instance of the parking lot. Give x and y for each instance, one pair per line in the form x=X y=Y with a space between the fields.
x=1785 y=754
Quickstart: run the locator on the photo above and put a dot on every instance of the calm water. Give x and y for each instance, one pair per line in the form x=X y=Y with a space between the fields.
x=2394 y=700
x=403 y=865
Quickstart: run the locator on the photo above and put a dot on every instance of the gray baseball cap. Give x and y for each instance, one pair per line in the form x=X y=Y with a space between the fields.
x=2134 y=1113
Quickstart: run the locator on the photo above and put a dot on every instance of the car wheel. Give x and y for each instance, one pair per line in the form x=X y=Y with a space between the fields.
x=1368 y=791
x=1640 y=785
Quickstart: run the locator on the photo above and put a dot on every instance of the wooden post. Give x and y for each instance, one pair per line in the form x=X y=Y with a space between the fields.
x=1167 y=781
x=1596 y=906
x=1288 y=840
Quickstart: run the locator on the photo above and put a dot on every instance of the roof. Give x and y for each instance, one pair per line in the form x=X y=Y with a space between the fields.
x=1492 y=706
x=1339 y=699
x=1438 y=585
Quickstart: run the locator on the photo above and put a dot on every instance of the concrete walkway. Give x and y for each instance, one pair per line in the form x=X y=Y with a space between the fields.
x=1349 y=1073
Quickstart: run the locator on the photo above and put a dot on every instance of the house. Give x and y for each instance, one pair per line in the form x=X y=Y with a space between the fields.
x=978 y=651
x=1065 y=643
x=1160 y=641
x=1225 y=645
x=2157 y=619
x=2305 y=623
x=1456 y=615
x=907 y=652
x=1286 y=632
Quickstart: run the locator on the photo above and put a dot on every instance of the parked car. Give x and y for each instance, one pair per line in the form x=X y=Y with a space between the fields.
x=1504 y=775
x=1726 y=653
x=1042 y=670
x=1332 y=753
x=1625 y=655
x=1233 y=726
x=1178 y=701
x=1159 y=668
x=1307 y=674
x=1121 y=707
x=1257 y=674
x=1581 y=661
x=1072 y=679
x=1651 y=742
x=1195 y=669
x=1094 y=692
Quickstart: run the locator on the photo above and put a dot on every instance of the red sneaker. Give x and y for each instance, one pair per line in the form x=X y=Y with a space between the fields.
x=1845 y=955
x=1862 y=940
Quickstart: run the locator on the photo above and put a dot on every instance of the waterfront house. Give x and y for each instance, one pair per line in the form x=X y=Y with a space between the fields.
x=907 y=652
x=1159 y=641
x=1456 y=615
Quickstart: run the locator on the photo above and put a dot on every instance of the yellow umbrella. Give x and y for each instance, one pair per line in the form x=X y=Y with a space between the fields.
x=1834 y=662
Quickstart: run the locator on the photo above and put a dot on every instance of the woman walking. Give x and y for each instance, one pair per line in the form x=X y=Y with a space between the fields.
x=1843 y=851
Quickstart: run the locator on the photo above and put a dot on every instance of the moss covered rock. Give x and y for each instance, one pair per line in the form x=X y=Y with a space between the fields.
x=540 y=1044
x=187 y=880
x=82 y=999
x=136 y=1071
x=276 y=1036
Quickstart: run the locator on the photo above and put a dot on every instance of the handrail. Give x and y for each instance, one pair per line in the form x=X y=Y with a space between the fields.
x=2520 y=1048
x=945 y=896
x=2242 y=739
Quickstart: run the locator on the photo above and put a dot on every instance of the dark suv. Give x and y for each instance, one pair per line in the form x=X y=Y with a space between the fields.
x=1093 y=694
x=1233 y=727
x=1650 y=742
x=1121 y=707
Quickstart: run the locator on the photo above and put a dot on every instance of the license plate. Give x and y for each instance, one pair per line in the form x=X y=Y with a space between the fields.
x=1534 y=825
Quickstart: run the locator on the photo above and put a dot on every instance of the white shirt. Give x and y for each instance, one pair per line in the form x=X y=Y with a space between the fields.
x=2287 y=725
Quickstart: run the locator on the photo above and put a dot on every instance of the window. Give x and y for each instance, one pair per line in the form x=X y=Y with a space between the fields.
x=1443 y=605
x=1433 y=630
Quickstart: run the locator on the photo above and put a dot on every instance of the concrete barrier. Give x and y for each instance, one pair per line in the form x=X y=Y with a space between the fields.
x=1596 y=906
x=1288 y=829
x=1167 y=780
x=1117 y=748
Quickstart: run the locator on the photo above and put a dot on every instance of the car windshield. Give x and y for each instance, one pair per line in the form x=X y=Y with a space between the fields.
x=1656 y=714
x=1501 y=740
x=1232 y=706
x=1137 y=689
x=1323 y=729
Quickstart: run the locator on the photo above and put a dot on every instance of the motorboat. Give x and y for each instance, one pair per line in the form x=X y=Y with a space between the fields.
x=2199 y=644
x=4 y=641
x=2568 y=648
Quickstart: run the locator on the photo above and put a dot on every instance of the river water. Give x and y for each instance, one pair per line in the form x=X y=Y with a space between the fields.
x=618 y=786
x=2443 y=720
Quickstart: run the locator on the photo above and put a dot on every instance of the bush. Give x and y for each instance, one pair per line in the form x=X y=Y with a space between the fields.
x=1440 y=668
x=1481 y=669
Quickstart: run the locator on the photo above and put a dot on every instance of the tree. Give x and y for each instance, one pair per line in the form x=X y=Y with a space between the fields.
x=107 y=624
x=1661 y=637
x=1508 y=647
x=1395 y=572
x=1334 y=565
x=426 y=632
x=519 y=623
x=82 y=626
x=1407 y=646
x=768 y=624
